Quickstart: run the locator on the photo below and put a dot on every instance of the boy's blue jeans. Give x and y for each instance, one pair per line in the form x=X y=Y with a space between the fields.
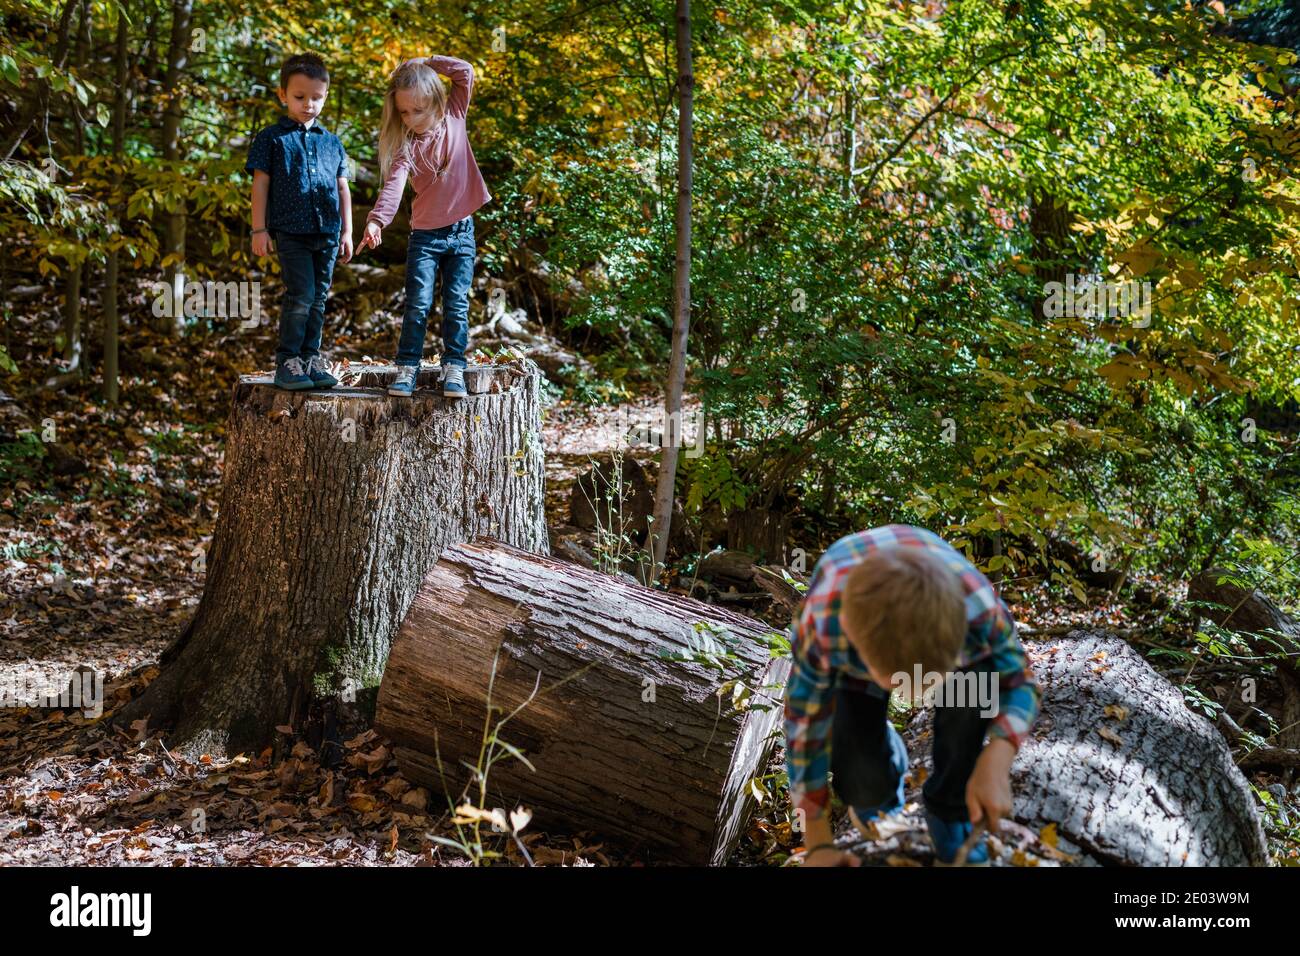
x=449 y=250
x=307 y=267
x=869 y=759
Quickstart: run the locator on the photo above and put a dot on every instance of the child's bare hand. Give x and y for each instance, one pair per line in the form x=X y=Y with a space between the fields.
x=372 y=237
x=345 y=247
x=261 y=244
x=988 y=791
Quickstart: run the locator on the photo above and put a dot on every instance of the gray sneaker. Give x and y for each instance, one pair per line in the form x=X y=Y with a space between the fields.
x=453 y=381
x=404 y=383
x=292 y=375
x=318 y=371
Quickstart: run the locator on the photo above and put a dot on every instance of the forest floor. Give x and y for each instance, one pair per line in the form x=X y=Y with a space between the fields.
x=102 y=567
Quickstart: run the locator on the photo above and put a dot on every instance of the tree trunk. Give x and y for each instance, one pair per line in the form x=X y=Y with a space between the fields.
x=761 y=530
x=624 y=741
x=173 y=232
x=111 y=321
x=672 y=439
x=334 y=506
x=1049 y=226
x=1148 y=784
x=77 y=271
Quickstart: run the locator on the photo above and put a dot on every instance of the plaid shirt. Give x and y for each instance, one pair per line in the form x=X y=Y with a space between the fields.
x=824 y=660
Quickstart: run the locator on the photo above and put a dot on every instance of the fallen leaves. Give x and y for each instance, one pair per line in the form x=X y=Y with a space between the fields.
x=1107 y=734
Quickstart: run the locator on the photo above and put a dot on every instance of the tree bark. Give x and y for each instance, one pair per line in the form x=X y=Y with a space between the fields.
x=1153 y=784
x=624 y=741
x=111 y=321
x=173 y=231
x=334 y=505
x=672 y=439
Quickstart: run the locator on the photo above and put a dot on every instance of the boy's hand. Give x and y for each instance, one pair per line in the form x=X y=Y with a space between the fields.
x=261 y=244
x=372 y=237
x=345 y=247
x=988 y=791
x=821 y=838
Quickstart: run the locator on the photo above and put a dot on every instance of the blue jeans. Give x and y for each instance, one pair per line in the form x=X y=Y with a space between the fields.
x=869 y=759
x=449 y=250
x=307 y=267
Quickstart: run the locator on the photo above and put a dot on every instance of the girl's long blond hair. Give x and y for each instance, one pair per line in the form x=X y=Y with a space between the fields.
x=394 y=138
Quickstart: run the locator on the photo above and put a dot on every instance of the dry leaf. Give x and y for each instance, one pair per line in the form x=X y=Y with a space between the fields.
x=1048 y=835
x=361 y=802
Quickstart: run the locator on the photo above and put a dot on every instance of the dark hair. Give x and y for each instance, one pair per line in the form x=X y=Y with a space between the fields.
x=308 y=64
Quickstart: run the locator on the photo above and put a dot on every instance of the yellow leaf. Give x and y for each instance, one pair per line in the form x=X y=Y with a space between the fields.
x=1048 y=835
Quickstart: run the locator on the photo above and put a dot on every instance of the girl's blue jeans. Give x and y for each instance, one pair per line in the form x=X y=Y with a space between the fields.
x=869 y=759
x=449 y=250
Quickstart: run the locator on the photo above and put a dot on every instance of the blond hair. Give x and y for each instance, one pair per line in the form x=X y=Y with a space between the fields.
x=394 y=138
x=904 y=606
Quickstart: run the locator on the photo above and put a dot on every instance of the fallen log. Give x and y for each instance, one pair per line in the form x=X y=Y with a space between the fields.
x=1122 y=768
x=636 y=746
x=1265 y=627
x=737 y=568
x=1246 y=611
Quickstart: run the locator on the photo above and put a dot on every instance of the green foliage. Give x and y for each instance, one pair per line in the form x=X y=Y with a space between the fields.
x=710 y=480
x=21 y=460
x=881 y=194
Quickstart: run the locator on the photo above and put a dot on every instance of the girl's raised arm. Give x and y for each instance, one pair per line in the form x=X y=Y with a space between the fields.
x=462 y=82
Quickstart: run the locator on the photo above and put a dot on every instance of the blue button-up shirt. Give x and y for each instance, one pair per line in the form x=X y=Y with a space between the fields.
x=305 y=166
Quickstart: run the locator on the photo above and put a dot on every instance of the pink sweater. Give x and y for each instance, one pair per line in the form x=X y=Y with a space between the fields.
x=461 y=190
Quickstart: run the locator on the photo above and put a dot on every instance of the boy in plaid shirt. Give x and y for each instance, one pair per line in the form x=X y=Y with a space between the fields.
x=882 y=605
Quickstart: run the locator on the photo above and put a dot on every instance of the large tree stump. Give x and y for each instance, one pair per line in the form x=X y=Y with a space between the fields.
x=625 y=742
x=334 y=505
x=1123 y=768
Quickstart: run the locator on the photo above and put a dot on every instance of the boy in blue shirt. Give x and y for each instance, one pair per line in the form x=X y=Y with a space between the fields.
x=301 y=200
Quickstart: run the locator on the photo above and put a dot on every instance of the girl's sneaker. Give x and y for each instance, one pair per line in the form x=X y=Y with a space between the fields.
x=319 y=373
x=292 y=375
x=453 y=381
x=947 y=838
x=404 y=384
